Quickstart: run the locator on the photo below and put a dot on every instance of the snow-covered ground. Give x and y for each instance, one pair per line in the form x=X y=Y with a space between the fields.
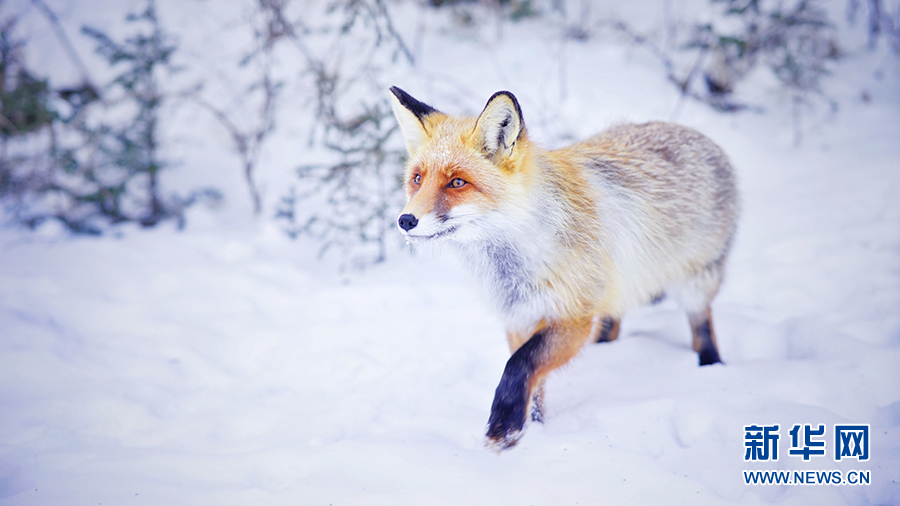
x=223 y=365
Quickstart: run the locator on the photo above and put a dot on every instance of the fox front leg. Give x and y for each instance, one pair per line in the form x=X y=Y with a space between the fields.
x=515 y=389
x=523 y=377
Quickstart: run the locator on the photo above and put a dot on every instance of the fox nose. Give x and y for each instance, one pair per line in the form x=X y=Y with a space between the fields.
x=407 y=222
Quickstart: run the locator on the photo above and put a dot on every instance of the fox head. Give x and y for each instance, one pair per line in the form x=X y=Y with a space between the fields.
x=460 y=169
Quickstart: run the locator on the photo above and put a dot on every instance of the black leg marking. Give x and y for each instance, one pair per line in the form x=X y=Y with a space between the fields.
x=511 y=397
x=706 y=349
x=609 y=330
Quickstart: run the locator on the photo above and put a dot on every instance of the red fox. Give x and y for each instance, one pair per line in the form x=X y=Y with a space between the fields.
x=566 y=241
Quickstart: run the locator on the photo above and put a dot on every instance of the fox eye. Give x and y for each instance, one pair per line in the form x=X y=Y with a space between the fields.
x=417 y=179
x=457 y=183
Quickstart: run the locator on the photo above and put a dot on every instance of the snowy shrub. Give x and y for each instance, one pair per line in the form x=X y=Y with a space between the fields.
x=24 y=98
x=794 y=40
x=92 y=158
x=348 y=202
x=130 y=159
x=249 y=131
x=25 y=112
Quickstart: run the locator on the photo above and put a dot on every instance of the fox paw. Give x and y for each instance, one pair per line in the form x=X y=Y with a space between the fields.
x=506 y=426
x=503 y=442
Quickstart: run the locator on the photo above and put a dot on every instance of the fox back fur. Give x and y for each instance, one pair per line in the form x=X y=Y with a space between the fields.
x=566 y=241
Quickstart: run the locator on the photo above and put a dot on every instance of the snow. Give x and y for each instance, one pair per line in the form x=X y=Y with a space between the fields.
x=224 y=365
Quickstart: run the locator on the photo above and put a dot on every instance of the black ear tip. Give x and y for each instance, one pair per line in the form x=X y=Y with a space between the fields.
x=402 y=96
x=414 y=106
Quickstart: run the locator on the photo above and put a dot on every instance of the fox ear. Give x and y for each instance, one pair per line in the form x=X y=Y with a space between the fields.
x=410 y=113
x=499 y=126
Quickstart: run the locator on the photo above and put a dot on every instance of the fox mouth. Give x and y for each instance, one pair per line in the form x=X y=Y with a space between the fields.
x=436 y=235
